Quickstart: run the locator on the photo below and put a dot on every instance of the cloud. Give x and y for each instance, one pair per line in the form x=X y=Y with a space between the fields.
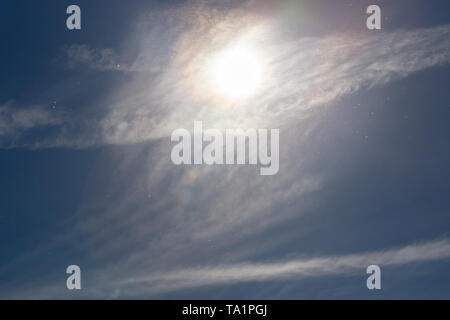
x=154 y=283
x=188 y=215
x=77 y=55
x=16 y=122
x=300 y=74
x=292 y=269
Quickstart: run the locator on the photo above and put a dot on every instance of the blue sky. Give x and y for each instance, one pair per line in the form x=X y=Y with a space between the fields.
x=86 y=177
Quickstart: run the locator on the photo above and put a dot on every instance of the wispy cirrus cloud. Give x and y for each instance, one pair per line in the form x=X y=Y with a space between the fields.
x=176 y=44
x=299 y=74
x=80 y=55
x=166 y=280
x=184 y=216
x=15 y=123
x=291 y=269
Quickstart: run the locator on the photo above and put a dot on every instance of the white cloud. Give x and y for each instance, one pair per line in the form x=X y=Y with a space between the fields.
x=104 y=282
x=15 y=122
x=77 y=55
x=299 y=74
x=223 y=206
x=291 y=269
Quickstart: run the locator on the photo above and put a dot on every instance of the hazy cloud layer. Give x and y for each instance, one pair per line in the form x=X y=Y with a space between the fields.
x=298 y=76
x=154 y=215
x=173 y=88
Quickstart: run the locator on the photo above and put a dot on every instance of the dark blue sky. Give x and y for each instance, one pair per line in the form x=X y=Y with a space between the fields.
x=86 y=176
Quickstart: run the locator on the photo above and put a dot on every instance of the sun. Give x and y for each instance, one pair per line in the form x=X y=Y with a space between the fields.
x=236 y=72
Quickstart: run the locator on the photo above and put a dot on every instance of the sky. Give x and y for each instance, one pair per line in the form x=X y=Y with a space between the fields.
x=86 y=175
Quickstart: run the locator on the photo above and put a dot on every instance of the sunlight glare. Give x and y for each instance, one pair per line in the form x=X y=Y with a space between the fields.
x=236 y=72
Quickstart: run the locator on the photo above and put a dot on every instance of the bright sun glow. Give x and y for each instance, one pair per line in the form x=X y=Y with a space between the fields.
x=236 y=72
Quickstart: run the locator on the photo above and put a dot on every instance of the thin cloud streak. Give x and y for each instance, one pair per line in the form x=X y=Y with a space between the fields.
x=156 y=283
x=77 y=55
x=15 y=123
x=293 y=269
